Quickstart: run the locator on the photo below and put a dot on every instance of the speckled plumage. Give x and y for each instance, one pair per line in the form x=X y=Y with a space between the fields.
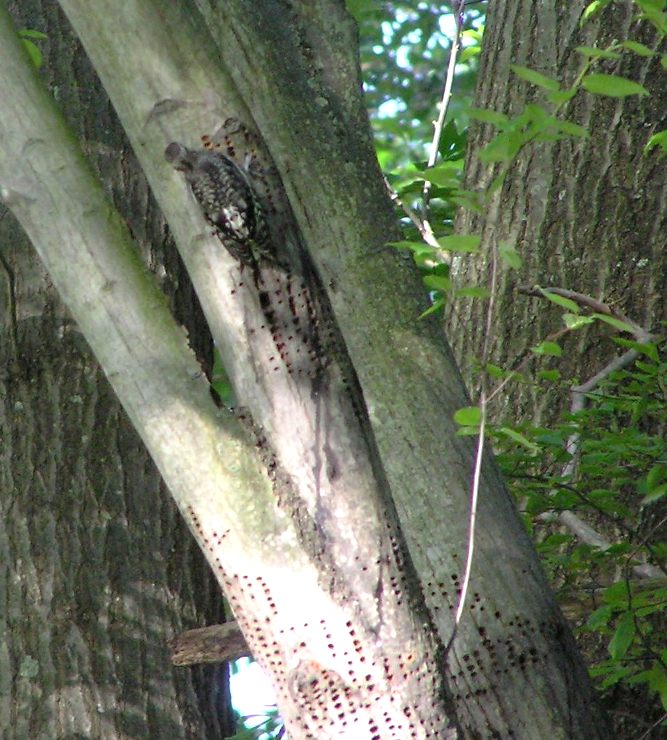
x=226 y=197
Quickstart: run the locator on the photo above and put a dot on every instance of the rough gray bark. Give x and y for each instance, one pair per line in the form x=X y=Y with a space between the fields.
x=98 y=570
x=584 y=214
x=358 y=650
x=588 y=215
x=295 y=69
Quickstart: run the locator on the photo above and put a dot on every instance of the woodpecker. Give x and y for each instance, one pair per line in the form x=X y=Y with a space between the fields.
x=227 y=199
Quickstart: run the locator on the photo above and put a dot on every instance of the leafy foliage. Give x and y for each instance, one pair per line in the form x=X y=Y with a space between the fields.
x=404 y=48
x=264 y=726
x=619 y=480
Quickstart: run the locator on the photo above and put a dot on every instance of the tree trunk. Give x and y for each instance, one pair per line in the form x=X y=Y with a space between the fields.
x=90 y=601
x=584 y=214
x=360 y=651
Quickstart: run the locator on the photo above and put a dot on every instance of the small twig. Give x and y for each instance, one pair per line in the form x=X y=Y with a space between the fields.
x=648 y=648
x=644 y=542
x=523 y=362
x=589 y=302
x=578 y=398
x=578 y=401
x=589 y=536
x=11 y=301
x=433 y=155
x=444 y=105
x=426 y=234
x=618 y=363
x=474 y=496
x=659 y=721
x=423 y=224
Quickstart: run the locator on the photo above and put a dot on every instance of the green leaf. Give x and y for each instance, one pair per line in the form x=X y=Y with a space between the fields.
x=651 y=4
x=467 y=431
x=599 y=618
x=535 y=78
x=612 y=85
x=467 y=199
x=474 y=34
x=548 y=348
x=533 y=113
x=571 y=129
x=550 y=375
x=35 y=54
x=659 y=139
x=558 y=97
x=560 y=300
x=572 y=321
x=612 y=675
x=476 y=291
x=468 y=416
x=638 y=48
x=622 y=639
x=503 y=147
x=616 y=323
x=359 y=8
x=520 y=439
x=649 y=369
x=446 y=174
x=645 y=348
x=438 y=305
x=488 y=116
x=448 y=165
x=655 y=495
x=412 y=246
x=652 y=10
x=469 y=52
x=592 y=9
x=438 y=282
x=495 y=371
x=460 y=243
x=658 y=683
x=616 y=594
x=594 y=53
x=509 y=255
x=663 y=61
x=28 y=33
x=655 y=476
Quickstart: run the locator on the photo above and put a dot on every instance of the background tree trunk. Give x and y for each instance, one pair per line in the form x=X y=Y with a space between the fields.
x=98 y=570
x=584 y=214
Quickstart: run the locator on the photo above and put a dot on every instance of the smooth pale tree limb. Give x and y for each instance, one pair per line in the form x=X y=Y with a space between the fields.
x=87 y=249
x=204 y=455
